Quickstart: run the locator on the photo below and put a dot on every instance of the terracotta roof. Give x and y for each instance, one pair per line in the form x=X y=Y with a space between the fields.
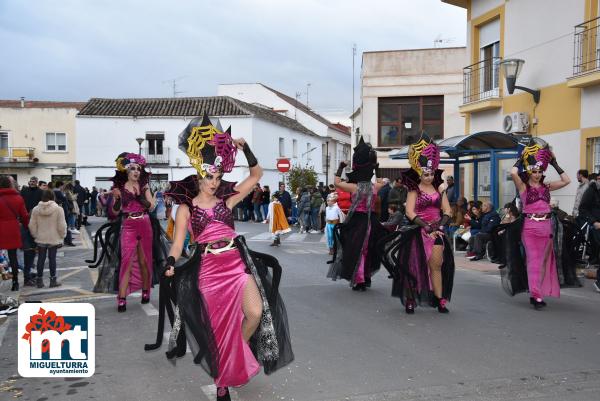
x=219 y=106
x=307 y=110
x=41 y=104
x=342 y=127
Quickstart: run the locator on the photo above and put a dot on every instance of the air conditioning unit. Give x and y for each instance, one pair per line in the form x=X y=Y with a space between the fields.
x=516 y=123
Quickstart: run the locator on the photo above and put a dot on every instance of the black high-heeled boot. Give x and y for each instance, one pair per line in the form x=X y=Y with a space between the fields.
x=442 y=305
x=223 y=394
x=410 y=306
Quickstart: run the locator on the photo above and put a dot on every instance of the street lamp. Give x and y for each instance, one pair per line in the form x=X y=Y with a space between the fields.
x=139 y=141
x=511 y=68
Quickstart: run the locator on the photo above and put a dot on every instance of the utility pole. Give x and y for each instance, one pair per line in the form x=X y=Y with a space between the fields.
x=353 y=57
x=298 y=94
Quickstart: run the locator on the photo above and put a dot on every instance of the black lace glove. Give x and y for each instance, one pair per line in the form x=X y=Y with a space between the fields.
x=117 y=205
x=340 y=169
x=421 y=223
x=554 y=164
x=377 y=171
x=445 y=219
x=143 y=201
x=518 y=164
x=169 y=263
x=249 y=156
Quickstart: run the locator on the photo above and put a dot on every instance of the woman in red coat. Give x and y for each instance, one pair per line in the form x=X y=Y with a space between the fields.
x=12 y=210
x=344 y=200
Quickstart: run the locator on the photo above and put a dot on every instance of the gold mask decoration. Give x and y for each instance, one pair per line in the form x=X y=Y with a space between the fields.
x=196 y=142
x=414 y=152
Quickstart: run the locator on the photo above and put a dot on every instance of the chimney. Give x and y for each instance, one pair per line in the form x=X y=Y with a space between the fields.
x=22 y=102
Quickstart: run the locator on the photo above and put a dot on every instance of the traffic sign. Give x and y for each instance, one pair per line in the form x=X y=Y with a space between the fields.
x=283 y=165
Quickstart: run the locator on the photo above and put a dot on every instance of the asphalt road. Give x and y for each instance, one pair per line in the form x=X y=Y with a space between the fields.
x=348 y=345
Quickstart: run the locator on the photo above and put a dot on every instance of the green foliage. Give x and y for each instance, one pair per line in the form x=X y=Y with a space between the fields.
x=299 y=177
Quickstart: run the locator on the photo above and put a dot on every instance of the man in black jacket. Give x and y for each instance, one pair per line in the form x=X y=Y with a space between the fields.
x=489 y=220
x=81 y=198
x=61 y=200
x=285 y=199
x=32 y=195
x=589 y=210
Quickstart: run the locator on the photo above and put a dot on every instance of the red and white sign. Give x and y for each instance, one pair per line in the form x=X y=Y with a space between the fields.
x=283 y=165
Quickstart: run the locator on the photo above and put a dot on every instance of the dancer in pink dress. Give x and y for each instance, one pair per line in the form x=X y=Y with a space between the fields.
x=225 y=297
x=419 y=255
x=542 y=277
x=129 y=240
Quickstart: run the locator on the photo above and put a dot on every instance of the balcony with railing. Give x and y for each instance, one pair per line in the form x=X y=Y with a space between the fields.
x=481 y=86
x=586 y=54
x=156 y=155
x=17 y=154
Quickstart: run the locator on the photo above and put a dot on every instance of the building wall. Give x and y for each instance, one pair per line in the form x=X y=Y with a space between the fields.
x=27 y=127
x=102 y=139
x=411 y=73
x=534 y=30
x=257 y=93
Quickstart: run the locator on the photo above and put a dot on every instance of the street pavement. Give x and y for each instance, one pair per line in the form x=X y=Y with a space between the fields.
x=348 y=345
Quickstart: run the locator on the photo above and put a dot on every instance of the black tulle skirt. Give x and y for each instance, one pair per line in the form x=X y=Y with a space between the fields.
x=514 y=271
x=348 y=244
x=182 y=302
x=403 y=254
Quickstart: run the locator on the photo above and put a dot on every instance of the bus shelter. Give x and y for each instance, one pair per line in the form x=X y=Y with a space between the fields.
x=475 y=149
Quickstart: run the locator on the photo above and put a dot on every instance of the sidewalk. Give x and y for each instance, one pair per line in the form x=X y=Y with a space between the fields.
x=483 y=265
x=70 y=262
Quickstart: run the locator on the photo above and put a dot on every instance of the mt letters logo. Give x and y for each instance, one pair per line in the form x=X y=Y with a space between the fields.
x=56 y=340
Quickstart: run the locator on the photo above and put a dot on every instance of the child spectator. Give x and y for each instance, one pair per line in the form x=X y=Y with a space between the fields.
x=333 y=216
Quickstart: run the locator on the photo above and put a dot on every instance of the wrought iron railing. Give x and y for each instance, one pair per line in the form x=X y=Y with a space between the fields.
x=481 y=80
x=586 y=47
x=17 y=154
x=156 y=156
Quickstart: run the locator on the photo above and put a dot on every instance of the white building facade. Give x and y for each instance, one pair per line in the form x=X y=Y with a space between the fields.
x=335 y=144
x=108 y=127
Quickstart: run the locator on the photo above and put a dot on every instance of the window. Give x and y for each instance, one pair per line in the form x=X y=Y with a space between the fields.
x=593 y=154
x=294 y=148
x=308 y=150
x=3 y=144
x=489 y=56
x=56 y=142
x=155 y=143
x=281 y=147
x=401 y=119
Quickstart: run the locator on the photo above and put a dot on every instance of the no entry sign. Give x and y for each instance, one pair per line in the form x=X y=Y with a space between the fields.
x=283 y=165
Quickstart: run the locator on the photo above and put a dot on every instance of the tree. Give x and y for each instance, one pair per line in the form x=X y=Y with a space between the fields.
x=299 y=177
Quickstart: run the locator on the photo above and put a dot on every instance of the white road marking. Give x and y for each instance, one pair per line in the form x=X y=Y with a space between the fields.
x=261 y=237
x=149 y=309
x=3 y=329
x=296 y=237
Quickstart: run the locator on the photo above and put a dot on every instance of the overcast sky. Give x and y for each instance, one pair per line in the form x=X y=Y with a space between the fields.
x=74 y=50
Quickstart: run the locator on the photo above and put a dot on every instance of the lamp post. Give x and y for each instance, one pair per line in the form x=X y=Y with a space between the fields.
x=139 y=141
x=511 y=68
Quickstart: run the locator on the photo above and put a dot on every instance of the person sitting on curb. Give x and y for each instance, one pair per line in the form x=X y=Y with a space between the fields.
x=489 y=220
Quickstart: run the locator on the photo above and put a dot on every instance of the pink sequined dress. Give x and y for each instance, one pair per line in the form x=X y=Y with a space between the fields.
x=221 y=281
x=537 y=239
x=135 y=230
